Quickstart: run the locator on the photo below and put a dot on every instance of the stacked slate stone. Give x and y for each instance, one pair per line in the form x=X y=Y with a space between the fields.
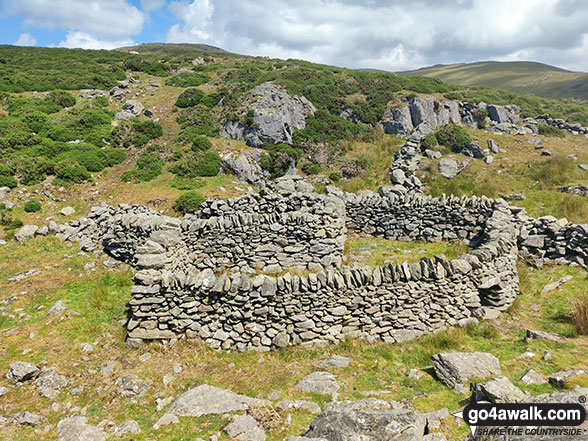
x=556 y=239
x=405 y=164
x=574 y=129
x=410 y=217
x=233 y=310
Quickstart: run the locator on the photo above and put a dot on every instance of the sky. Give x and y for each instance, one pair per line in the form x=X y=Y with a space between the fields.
x=380 y=34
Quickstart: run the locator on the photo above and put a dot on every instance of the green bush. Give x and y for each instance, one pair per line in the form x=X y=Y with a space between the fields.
x=70 y=171
x=113 y=156
x=547 y=130
x=101 y=101
x=148 y=167
x=278 y=159
x=311 y=168
x=61 y=98
x=189 y=98
x=335 y=176
x=453 y=136
x=210 y=100
x=14 y=224
x=208 y=165
x=189 y=202
x=430 y=141
x=32 y=206
x=188 y=79
x=8 y=181
x=201 y=144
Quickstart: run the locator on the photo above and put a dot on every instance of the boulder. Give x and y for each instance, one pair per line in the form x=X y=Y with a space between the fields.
x=559 y=378
x=504 y=114
x=129 y=427
x=130 y=386
x=21 y=371
x=397 y=120
x=578 y=190
x=246 y=166
x=501 y=390
x=532 y=334
x=134 y=107
x=76 y=429
x=492 y=146
x=319 y=383
x=67 y=211
x=50 y=382
x=347 y=424
x=3 y=192
x=473 y=151
x=276 y=115
x=26 y=233
x=58 y=308
x=333 y=362
x=244 y=428
x=210 y=400
x=450 y=168
x=26 y=418
x=533 y=377
x=456 y=368
x=422 y=110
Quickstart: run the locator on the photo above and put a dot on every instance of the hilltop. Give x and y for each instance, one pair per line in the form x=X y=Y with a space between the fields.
x=524 y=77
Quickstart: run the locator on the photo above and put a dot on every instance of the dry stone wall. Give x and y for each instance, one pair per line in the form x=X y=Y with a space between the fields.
x=243 y=311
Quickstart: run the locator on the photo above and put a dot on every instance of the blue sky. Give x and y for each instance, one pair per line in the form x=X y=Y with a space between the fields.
x=384 y=34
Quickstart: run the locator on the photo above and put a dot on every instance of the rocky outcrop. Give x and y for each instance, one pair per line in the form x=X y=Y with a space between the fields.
x=504 y=114
x=246 y=166
x=450 y=168
x=578 y=190
x=276 y=115
x=455 y=368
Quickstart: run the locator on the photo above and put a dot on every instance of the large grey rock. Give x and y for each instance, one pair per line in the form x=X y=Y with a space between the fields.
x=244 y=428
x=27 y=232
x=456 y=368
x=76 y=429
x=397 y=120
x=210 y=400
x=130 y=386
x=276 y=115
x=578 y=190
x=245 y=166
x=333 y=362
x=26 y=418
x=3 y=192
x=504 y=114
x=128 y=427
x=473 y=151
x=134 y=107
x=492 y=146
x=501 y=390
x=533 y=377
x=450 y=168
x=422 y=110
x=532 y=334
x=50 y=382
x=21 y=371
x=341 y=424
x=318 y=382
x=559 y=378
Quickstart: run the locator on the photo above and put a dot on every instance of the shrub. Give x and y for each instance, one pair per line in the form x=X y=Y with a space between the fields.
x=547 y=130
x=189 y=202
x=14 y=224
x=208 y=165
x=278 y=159
x=311 y=168
x=32 y=206
x=188 y=79
x=211 y=100
x=113 y=156
x=189 y=98
x=249 y=121
x=335 y=176
x=201 y=144
x=8 y=181
x=61 y=98
x=148 y=167
x=101 y=101
x=453 y=136
x=430 y=141
x=580 y=315
x=71 y=171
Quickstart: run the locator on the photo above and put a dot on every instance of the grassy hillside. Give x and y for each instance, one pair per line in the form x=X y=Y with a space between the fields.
x=172 y=48
x=516 y=76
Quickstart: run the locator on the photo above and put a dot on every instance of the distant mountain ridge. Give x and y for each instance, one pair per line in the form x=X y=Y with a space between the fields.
x=525 y=77
x=172 y=48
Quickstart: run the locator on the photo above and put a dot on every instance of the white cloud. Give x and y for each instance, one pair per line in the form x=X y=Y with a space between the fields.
x=152 y=5
x=103 y=19
x=86 y=41
x=25 y=39
x=389 y=34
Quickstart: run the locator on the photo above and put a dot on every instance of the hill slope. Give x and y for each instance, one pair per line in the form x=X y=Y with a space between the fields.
x=516 y=76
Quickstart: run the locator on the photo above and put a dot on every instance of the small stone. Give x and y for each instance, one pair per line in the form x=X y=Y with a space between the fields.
x=318 y=382
x=130 y=426
x=21 y=371
x=144 y=357
x=333 y=362
x=244 y=428
x=532 y=377
x=166 y=420
x=58 y=308
x=67 y=211
x=547 y=356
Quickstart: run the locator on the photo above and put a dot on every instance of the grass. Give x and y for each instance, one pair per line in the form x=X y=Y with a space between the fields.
x=100 y=297
x=377 y=251
x=580 y=314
